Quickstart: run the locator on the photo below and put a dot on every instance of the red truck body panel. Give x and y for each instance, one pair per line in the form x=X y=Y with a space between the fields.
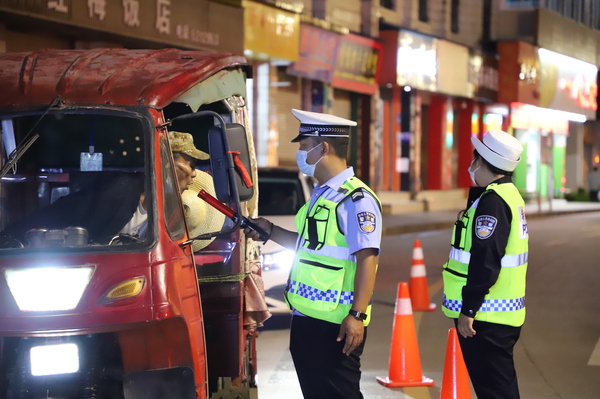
x=153 y=78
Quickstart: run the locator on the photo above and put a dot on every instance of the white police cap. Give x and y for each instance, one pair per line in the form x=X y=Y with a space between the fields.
x=314 y=124
x=500 y=149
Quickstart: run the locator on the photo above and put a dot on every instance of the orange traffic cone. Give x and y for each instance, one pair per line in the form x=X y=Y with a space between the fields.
x=455 y=382
x=405 y=362
x=419 y=293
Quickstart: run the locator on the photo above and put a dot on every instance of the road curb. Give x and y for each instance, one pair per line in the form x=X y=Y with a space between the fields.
x=441 y=225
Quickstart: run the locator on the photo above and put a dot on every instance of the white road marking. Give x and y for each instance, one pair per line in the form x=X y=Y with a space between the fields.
x=595 y=358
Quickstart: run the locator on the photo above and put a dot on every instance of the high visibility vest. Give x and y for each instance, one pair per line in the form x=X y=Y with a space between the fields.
x=321 y=282
x=505 y=303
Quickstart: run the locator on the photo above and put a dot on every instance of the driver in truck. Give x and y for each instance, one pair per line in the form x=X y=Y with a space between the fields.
x=121 y=196
x=185 y=156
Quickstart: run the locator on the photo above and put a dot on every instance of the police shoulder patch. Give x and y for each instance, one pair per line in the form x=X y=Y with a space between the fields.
x=484 y=226
x=366 y=221
x=358 y=195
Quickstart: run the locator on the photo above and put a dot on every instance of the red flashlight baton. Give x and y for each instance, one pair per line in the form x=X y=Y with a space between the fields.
x=230 y=213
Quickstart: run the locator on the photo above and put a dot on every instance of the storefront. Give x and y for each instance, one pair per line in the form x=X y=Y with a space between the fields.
x=483 y=88
x=426 y=112
x=271 y=43
x=338 y=72
x=547 y=105
x=355 y=83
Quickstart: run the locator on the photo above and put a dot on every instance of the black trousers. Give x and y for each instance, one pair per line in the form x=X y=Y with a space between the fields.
x=324 y=372
x=489 y=359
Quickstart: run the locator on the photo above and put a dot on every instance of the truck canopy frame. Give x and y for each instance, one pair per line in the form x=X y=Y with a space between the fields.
x=152 y=78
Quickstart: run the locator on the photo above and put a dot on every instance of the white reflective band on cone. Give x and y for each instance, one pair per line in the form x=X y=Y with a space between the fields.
x=418 y=253
x=418 y=271
x=403 y=307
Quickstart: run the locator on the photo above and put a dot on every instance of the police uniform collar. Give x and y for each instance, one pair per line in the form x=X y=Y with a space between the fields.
x=336 y=181
x=503 y=179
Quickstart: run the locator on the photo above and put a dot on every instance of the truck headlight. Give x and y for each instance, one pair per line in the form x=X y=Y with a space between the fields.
x=48 y=288
x=278 y=260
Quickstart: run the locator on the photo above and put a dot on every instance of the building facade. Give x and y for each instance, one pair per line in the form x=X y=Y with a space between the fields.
x=420 y=77
x=548 y=90
x=434 y=86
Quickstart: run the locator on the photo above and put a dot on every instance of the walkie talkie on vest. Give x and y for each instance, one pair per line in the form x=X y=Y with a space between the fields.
x=230 y=213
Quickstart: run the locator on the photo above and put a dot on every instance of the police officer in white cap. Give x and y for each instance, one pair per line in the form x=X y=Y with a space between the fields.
x=337 y=246
x=484 y=278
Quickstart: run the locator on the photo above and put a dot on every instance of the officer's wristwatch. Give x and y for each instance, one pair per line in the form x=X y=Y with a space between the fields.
x=358 y=315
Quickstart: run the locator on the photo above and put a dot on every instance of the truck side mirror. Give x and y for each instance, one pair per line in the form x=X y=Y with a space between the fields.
x=238 y=156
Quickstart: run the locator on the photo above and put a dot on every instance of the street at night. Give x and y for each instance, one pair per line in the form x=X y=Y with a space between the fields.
x=558 y=354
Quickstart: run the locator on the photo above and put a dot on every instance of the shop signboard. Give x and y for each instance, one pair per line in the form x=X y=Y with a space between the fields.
x=417 y=61
x=453 y=73
x=271 y=31
x=529 y=117
x=197 y=24
x=409 y=59
x=317 y=53
x=483 y=76
x=568 y=84
x=518 y=73
x=358 y=64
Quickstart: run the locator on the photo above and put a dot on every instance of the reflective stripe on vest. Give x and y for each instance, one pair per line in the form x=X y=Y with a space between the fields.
x=327 y=250
x=506 y=261
x=489 y=305
x=321 y=283
x=505 y=302
x=314 y=294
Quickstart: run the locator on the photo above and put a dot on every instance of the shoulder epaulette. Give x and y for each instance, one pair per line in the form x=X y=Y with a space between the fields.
x=358 y=195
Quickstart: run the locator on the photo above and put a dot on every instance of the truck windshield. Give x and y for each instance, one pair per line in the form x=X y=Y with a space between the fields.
x=81 y=183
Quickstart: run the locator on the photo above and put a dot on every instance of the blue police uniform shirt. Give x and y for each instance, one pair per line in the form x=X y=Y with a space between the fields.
x=351 y=215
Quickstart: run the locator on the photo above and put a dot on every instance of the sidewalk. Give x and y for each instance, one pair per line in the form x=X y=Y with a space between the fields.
x=401 y=223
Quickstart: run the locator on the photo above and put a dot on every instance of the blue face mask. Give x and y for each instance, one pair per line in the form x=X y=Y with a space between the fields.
x=303 y=165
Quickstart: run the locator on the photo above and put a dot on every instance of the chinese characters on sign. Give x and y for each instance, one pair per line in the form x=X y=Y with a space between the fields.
x=158 y=20
x=131 y=12
x=97 y=8
x=357 y=65
x=483 y=76
x=185 y=32
x=58 y=6
x=568 y=84
x=163 y=13
x=317 y=54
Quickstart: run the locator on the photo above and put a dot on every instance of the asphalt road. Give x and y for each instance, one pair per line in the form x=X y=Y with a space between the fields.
x=558 y=355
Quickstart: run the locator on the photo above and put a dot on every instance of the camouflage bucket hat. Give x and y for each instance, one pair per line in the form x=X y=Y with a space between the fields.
x=184 y=142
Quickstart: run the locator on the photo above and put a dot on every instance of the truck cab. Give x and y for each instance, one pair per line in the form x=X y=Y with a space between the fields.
x=89 y=309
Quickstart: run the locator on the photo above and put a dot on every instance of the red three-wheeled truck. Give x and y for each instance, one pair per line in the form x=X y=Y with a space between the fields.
x=86 y=310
